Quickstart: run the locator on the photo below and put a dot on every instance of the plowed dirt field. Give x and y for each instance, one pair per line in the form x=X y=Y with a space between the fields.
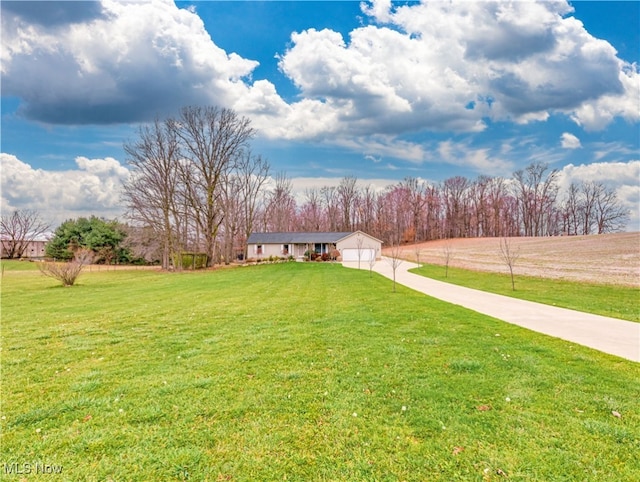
x=605 y=258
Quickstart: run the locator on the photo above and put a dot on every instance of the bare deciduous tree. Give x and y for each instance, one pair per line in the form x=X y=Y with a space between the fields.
x=372 y=261
x=447 y=254
x=455 y=194
x=509 y=255
x=242 y=190
x=572 y=211
x=281 y=206
x=212 y=142
x=536 y=196
x=348 y=194
x=330 y=201
x=610 y=215
x=367 y=209
x=252 y=173
x=143 y=243
x=417 y=251
x=310 y=213
x=67 y=273
x=359 y=246
x=152 y=193
x=18 y=230
x=394 y=260
x=415 y=200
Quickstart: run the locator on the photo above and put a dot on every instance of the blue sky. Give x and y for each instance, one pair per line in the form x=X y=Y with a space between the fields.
x=377 y=90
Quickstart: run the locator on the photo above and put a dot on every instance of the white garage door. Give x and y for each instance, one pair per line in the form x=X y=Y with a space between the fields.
x=351 y=254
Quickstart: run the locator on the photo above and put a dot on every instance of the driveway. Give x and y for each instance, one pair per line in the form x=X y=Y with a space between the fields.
x=609 y=335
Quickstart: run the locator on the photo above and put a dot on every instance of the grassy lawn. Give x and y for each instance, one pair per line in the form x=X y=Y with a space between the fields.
x=608 y=300
x=297 y=372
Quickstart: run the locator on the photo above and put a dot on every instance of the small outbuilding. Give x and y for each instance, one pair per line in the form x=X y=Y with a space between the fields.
x=352 y=246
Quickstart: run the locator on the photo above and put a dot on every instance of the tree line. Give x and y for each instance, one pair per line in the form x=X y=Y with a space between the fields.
x=528 y=204
x=197 y=188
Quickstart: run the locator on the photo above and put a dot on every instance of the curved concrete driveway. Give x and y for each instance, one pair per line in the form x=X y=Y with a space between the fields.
x=609 y=335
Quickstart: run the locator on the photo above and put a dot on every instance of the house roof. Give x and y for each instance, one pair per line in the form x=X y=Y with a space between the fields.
x=296 y=238
x=355 y=233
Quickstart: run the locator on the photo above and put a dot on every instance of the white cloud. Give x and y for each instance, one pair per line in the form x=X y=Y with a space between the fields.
x=598 y=113
x=614 y=151
x=134 y=61
x=449 y=65
x=480 y=159
x=91 y=189
x=623 y=177
x=569 y=141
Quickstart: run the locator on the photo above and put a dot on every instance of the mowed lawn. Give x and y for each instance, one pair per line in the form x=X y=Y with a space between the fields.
x=297 y=372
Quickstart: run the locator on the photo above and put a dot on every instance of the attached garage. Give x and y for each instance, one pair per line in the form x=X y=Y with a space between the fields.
x=353 y=254
x=359 y=246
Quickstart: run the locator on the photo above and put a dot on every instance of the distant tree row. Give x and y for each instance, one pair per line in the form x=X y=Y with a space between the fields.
x=528 y=204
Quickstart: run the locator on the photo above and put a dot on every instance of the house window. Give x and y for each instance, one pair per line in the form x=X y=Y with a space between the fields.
x=285 y=249
x=318 y=248
x=259 y=249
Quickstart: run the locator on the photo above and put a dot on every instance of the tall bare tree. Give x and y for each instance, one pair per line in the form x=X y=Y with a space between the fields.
x=281 y=206
x=233 y=210
x=572 y=211
x=311 y=215
x=415 y=198
x=348 y=194
x=367 y=209
x=610 y=214
x=331 y=206
x=455 y=192
x=152 y=193
x=212 y=141
x=536 y=193
x=253 y=173
x=243 y=194
x=18 y=230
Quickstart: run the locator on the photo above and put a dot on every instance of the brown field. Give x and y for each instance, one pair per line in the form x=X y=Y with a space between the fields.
x=605 y=258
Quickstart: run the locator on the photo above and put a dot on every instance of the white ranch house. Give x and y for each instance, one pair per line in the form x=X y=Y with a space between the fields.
x=353 y=246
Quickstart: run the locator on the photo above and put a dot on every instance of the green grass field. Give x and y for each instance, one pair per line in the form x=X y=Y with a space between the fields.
x=296 y=372
x=608 y=300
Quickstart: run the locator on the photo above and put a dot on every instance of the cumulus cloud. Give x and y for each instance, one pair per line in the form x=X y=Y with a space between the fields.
x=620 y=176
x=91 y=189
x=569 y=141
x=450 y=65
x=133 y=61
x=596 y=114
